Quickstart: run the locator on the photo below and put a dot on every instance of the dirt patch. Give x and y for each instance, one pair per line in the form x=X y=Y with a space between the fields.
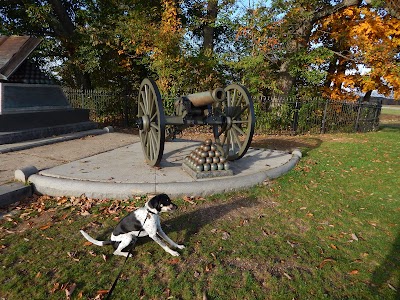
x=392 y=120
x=263 y=270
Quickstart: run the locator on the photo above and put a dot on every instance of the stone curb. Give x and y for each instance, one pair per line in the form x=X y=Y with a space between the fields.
x=14 y=192
x=66 y=187
x=47 y=141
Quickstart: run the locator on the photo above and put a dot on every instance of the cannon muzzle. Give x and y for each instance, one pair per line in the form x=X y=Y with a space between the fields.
x=205 y=98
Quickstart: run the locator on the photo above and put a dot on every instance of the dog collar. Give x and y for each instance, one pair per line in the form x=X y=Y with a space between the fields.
x=149 y=211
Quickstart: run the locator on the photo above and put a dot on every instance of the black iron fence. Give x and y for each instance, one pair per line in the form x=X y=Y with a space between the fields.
x=317 y=115
x=106 y=107
x=273 y=115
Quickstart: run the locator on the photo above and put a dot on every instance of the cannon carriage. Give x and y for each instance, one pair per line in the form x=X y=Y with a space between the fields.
x=229 y=111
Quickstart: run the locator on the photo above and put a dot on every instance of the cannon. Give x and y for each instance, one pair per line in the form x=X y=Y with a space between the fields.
x=229 y=111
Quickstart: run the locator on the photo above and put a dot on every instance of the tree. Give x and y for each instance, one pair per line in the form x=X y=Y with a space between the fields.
x=55 y=21
x=363 y=39
x=285 y=50
x=82 y=36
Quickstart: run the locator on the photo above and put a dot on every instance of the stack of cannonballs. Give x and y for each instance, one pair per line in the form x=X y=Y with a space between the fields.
x=207 y=158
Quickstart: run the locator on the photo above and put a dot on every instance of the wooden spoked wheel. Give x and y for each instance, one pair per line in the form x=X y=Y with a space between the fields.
x=235 y=135
x=152 y=119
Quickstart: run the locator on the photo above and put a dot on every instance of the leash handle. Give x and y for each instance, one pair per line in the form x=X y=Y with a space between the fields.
x=122 y=267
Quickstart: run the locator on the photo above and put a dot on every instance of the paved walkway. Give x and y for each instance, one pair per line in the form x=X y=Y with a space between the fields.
x=112 y=166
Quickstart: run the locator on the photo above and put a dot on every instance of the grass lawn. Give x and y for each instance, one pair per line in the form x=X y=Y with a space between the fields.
x=328 y=229
x=391 y=110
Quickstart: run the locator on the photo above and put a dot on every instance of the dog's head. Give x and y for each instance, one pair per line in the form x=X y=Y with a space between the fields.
x=161 y=203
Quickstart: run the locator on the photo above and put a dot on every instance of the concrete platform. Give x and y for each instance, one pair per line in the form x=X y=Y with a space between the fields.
x=122 y=173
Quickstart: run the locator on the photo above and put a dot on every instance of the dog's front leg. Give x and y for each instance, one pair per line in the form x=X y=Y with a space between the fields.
x=163 y=245
x=166 y=238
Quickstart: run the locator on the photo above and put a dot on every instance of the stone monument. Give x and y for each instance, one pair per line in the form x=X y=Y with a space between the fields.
x=31 y=105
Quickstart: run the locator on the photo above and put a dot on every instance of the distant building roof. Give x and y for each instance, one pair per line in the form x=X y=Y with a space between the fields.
x=13 y=52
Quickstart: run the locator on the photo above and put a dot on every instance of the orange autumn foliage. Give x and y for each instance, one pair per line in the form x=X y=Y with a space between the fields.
x=361 y=37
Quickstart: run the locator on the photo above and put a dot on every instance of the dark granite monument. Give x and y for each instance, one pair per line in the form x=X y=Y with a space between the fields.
x=31 y=105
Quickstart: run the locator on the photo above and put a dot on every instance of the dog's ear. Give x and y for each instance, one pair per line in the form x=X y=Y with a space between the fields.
x=157 y=202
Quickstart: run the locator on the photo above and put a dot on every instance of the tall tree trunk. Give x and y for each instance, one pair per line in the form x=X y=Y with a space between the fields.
x=209 y=27
x=367 y=96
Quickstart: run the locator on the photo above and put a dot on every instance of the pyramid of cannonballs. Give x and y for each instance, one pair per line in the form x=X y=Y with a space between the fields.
x=207 y=157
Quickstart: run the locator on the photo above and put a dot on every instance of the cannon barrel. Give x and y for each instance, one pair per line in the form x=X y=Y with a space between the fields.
x=205 y=98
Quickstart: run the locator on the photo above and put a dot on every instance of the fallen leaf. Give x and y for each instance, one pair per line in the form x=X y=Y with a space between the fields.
x=325 y=261
x=287 y=276
x=333 y=246
x=56 y=286
x=209 y=267
x=242 y=222
x=188 y=199
x=354 y=237
x=45 y=227
x=73 y=255
x=70 y=290
x=354 y=272
x=225 y=235
x=173 y=261
x=102 y=292
x=87 y=243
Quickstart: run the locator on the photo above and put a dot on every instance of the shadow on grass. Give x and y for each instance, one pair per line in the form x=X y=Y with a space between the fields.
x=305 y=144
x=193 y=221
x=391 y=264
x=389 y=127
x=190 y=222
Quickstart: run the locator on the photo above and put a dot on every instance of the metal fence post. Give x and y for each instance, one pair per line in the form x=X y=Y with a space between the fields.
x=358 y=117
x=82 y=99
x=297 y=106
x=324 y=116
x=378 y=109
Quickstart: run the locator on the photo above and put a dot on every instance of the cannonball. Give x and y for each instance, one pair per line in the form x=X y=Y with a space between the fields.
x=211 y=153
x=199 y=168
x=222 y=159
x=204 y=154
x=226 y=166
x=207 y=167
x=206 y=148
x=213 y=147
x=220 y=166
x=209 y=160
x=208 y=142
x=201 y=160
x=217 y=153
x=215 y=160
x=214 y=167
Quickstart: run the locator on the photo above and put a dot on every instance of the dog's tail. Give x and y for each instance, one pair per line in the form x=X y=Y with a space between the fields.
x=93 y=241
